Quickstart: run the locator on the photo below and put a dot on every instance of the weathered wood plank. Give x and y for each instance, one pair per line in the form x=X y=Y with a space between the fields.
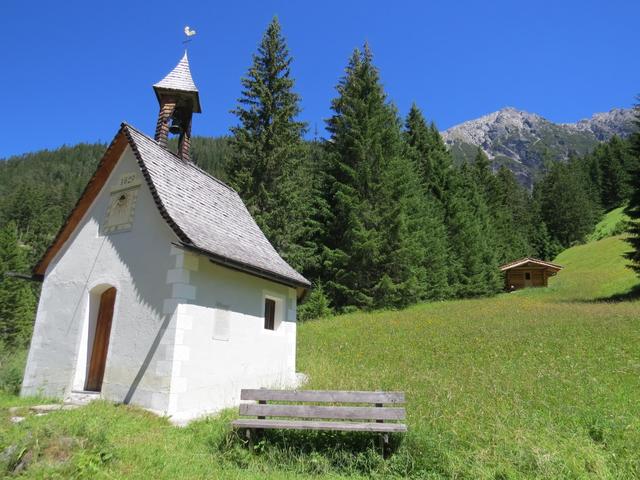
x=314 y=411
x=315 y=425
x=322 y=396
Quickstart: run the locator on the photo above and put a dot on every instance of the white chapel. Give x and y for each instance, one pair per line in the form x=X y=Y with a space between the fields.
x=160 y=290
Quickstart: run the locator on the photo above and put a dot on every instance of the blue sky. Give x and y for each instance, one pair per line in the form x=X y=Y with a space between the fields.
x=71 y=71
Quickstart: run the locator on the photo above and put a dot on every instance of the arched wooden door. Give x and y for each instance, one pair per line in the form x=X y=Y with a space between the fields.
x=101 y=341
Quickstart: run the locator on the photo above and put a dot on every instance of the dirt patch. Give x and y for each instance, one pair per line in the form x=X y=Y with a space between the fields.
x=61 y=449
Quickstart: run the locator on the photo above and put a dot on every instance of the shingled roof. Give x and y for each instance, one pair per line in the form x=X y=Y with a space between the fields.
x=527 y=260
x=179 y=79
x=207 y=216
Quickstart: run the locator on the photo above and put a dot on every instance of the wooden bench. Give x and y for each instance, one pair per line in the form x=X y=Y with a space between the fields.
x=376 y=418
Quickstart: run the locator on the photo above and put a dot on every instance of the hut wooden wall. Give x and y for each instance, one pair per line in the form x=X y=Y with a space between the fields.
x=516 y=277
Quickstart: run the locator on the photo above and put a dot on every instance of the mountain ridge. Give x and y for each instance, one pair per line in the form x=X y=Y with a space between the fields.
x=520 y=140
x=523 y=141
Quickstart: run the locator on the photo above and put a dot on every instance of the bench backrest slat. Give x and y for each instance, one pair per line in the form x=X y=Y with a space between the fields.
x=322 y=396
x=314 y=411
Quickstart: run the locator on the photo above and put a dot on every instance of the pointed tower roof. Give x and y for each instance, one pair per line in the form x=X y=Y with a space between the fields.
x=179 y=80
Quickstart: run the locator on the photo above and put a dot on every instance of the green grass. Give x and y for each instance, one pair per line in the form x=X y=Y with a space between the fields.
x=543 y=383
x=613 y=223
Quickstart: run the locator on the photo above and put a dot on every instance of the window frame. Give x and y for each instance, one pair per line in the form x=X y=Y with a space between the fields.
x=269 y=323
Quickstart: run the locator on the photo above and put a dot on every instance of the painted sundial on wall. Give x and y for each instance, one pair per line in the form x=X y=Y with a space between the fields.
x=122 y=203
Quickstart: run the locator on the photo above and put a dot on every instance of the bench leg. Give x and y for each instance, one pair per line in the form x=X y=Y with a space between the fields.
x=384 y=444
x=249 y=438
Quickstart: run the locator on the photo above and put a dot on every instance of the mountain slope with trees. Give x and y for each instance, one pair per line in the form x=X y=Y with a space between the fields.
x=378 y=215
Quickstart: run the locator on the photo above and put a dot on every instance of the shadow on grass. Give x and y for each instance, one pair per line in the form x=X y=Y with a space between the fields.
x=318 y=452
x=628 y=296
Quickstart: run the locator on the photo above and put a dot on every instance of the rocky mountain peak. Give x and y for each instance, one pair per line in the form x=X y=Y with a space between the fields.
x=521 y=140
x=617 y=121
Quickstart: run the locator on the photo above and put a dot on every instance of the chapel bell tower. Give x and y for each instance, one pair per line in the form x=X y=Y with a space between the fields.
x=179 y=100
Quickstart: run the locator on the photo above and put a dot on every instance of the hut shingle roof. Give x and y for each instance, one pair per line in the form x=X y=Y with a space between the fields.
x=525 y=260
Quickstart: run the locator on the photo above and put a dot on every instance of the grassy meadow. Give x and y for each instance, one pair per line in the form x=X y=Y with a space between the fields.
x=533 y=384
x=613 y=223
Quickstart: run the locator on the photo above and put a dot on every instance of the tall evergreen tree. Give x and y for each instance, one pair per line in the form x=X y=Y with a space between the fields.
x=513 y=218
x=460 y=204
x=567 y=203
x=542 y=244
x=267 y=165
x=614 y=183
x=17 y=301
x=434 y=160
x=509 y=206
x=483 y=174
x=422 y=148
x=373 y=254
x=633 y=208
x=474 y=263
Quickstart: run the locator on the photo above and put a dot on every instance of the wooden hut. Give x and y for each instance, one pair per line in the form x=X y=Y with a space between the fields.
x=528 y=272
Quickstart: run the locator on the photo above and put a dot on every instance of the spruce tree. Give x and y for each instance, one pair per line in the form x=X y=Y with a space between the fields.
x=373 y=254
x=567 y=203
x=422 y=148
x=17 y=301
x=542 y=244
x=613 y=162
x=483 y=174
x=460 y=204
x=633 y=208
x=267 y=165
x=474 y=262
x=509 y=207
x=434 y=160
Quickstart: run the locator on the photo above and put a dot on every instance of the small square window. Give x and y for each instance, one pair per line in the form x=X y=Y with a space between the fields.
x=527 y=276
x=269 y=314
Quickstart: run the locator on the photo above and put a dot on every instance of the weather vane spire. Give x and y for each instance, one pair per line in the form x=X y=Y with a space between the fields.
x=188 y=32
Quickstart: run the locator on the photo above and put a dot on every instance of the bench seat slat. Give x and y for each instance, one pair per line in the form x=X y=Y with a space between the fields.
x=317 y=425
x=322 y=396
x=319 y=412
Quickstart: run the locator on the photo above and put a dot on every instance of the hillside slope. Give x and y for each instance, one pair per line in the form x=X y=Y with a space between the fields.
x=613 y=223
x=537 y=384
x=534 y=384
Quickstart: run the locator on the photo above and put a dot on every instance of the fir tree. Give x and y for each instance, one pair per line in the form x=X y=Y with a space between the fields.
x=614 y=182
x=474 y=264
x=433 y=160
x=633 y=208
x=267 y=165
x=461 y=207
x=315 y=306
x=373 y=254
x=17 y=301
x=567 y=203
x=483 y=174
x=422 y=147
x=509 y=207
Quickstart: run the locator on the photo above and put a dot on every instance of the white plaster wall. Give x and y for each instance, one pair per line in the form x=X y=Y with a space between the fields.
x=140 y=355
x=211 y=365
x=187 y=335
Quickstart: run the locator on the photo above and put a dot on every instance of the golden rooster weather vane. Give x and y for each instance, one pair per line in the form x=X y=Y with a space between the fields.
x=188 y=33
